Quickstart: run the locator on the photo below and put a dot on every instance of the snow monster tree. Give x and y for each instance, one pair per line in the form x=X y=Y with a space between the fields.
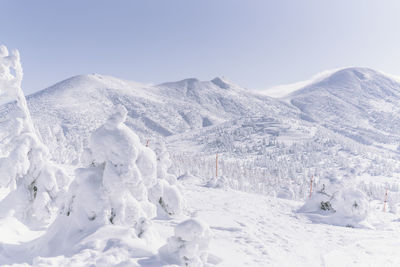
x=114 y=188
x=34 y=185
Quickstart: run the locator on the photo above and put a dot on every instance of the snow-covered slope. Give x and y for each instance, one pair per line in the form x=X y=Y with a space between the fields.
x=333 y=120
x=346 y=127
x=68 y=111
x=325 y=128
x=359 y=103
x=247 y=230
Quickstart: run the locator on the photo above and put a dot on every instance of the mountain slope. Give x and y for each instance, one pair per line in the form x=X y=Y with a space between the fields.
x=73 y=108
x=270 y=146
x=359 y=103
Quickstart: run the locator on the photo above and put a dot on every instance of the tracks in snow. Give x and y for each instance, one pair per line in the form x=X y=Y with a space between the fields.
x=253 y=230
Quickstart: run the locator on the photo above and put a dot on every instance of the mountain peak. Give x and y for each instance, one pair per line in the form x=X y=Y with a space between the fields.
x=349 y=82
x=188 y=82
x=221 y=82
x=353 y=74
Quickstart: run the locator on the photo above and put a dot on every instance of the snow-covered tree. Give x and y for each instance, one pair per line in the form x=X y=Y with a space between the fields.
x=189 y=245
x=113 y=189
x=35 y=185
x=337 y=203
x=165 y=194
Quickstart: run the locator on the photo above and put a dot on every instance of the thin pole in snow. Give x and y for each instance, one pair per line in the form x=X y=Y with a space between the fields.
x=311 y=182
x=384 y=205
x=216 y=166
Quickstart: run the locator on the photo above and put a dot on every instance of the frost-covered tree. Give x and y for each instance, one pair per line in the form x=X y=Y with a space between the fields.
x=113 y=189
x=118 y=183
x=189 y=245
x=165 y=194
x=34 y=184
x=337 y=203
x=111 y=192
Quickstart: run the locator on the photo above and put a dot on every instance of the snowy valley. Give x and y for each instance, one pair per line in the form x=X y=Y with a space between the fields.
x=99 y=171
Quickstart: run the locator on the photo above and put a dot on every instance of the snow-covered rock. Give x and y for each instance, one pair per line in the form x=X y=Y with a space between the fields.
x=36 y=186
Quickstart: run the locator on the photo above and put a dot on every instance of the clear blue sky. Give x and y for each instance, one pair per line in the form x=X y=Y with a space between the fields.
x=254 y=43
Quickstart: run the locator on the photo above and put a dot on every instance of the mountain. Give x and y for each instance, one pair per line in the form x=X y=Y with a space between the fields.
x=359 y=103
x=344 y=124
x=68 y=111
x=124 y=199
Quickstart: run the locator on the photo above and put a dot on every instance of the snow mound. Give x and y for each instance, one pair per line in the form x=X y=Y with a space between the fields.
x=220 y=182
x=35 y=185
x=188 y=176
x=286 y=193
x=189 y=245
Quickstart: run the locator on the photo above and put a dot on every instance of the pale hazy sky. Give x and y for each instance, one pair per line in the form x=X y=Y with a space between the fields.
x=254 y=43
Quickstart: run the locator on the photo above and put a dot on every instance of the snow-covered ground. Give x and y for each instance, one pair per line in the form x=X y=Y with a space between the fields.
x=252 y=230
x=247 y=230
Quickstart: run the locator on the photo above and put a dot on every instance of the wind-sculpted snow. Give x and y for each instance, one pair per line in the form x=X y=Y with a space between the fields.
x=35 y=185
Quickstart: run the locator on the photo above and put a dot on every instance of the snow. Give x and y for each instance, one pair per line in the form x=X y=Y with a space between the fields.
x=280 y=91
x=254 y=230
x=247 y=230
x=189 y=245
x=345 y=207
x=97 y=171
x=34 y=184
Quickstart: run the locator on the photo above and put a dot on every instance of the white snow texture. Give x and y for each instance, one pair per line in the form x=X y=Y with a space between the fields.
x=81 y=188
x=33 y=182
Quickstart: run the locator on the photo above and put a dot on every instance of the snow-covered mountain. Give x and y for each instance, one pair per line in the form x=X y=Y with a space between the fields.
x=68 y=111
x=359 y=103
x=164 y=109
x=137 y=205
x=344 y=123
